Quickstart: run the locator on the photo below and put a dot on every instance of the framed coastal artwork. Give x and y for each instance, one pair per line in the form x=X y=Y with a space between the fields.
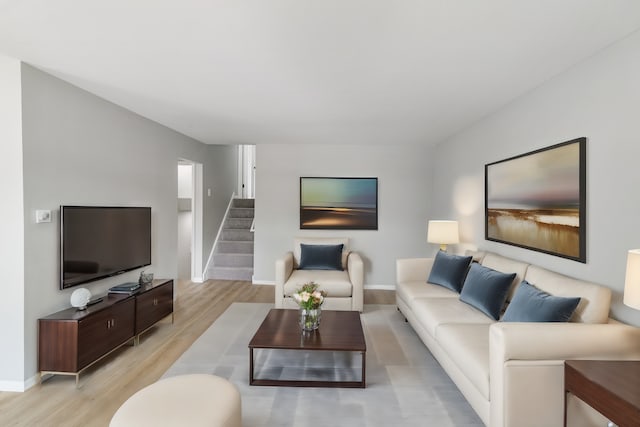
x=537 y=200
x=338 y=203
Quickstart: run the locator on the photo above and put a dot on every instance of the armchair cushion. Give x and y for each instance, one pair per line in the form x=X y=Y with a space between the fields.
x=335 y=282
x=320 y=257
x=530 y=304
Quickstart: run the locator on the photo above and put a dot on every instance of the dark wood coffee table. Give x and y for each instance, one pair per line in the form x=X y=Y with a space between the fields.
x=340 y=331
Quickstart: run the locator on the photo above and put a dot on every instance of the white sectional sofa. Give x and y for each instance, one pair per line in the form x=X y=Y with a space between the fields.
x=512 y=374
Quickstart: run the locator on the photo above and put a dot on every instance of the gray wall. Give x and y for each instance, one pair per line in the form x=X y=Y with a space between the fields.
x=11 y=214
x=221 y=176
x=404 y=182
x=597 y=99
x=80 y=149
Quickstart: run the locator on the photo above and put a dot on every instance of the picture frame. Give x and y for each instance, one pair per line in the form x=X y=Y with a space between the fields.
x=332 y=203
x=537 y=200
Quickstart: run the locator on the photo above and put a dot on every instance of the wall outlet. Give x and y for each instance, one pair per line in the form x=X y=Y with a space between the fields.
x=43 y=216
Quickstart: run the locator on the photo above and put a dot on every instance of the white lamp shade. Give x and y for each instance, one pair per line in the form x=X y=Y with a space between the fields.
x=443 y=232
x=632 y=280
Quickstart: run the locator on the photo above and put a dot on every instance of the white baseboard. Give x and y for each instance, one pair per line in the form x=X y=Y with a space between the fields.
x=262 y=282
x=32 y=381
x=19 y=386
x=373 y=287
x=381 y=287
x=197 y=279
x=12 y=386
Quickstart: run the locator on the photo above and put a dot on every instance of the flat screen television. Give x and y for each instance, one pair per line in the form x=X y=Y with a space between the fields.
x=99 y=241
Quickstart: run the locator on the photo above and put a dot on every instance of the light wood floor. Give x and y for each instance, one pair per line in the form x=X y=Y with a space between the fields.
x=106 y=385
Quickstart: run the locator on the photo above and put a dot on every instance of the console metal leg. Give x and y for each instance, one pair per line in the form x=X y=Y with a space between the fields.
x=250 y=366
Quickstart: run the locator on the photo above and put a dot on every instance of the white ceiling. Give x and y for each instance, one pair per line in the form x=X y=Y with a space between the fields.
x=311 y=71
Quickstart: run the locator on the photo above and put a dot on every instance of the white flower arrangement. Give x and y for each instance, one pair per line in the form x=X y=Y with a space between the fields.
x=309 y=297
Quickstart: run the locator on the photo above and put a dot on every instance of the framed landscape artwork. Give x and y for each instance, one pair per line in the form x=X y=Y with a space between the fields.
x=339 y=203
x=537 y=200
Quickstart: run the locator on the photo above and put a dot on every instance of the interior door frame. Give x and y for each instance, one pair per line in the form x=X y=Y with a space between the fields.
x=197 y=225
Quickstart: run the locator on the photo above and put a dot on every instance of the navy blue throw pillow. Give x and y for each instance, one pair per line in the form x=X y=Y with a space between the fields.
x=320 y=257
x=449 y=270
x=530 y=304
x=486 y=289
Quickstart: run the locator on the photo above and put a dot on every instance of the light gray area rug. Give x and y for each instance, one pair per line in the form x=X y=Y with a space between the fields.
x=405 y=384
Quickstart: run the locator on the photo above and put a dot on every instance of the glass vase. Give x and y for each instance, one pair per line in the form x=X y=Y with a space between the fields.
x=310 y=318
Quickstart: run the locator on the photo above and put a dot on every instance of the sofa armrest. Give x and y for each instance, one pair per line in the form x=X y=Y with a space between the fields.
x=556 y=340
x=413 y=269
x=284 y=268
x=355 y=268
x=526 y=365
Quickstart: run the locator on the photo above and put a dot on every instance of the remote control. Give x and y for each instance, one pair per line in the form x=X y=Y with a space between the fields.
x=94 y=301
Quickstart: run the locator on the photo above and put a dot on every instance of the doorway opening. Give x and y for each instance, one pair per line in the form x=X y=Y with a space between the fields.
x=247 y=171
x=190 y=226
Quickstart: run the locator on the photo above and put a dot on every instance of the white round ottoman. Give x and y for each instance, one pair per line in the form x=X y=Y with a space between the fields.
x=185 y=400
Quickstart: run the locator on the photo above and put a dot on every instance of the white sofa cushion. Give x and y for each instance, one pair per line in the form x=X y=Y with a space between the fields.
x=595 y=299
x=468 y=346
x=335 y=282
x=411 y=290
x=433 y=312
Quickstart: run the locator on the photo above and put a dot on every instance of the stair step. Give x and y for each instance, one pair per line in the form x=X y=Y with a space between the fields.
x=232 y=260
x=233 y=256
x=239 y=235
x=243 y=203
x=236 y=247
x=238 y=223
x=230 y=273
x=240 y=213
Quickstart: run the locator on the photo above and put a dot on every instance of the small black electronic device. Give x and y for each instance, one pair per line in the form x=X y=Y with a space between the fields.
x=95 y=301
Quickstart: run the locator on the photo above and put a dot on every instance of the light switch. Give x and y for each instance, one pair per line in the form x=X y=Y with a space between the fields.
x=208 y=192
x=43 y=215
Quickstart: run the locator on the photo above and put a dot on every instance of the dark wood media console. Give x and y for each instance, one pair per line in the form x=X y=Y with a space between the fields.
x=71 y=340
x=153 y=303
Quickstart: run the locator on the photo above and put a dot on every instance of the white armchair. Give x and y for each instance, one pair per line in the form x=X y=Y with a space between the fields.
x=344 y=287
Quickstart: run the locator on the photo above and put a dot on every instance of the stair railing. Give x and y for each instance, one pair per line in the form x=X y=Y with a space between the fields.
x=215 y=241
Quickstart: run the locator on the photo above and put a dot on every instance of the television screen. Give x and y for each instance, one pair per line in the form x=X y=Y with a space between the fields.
x=98 y=242
x=338 y=203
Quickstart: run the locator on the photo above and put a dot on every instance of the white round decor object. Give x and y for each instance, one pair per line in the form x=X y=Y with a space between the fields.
x=80 y=298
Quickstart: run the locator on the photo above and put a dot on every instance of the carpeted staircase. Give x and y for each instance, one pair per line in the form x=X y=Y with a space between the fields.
x=233 y=255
